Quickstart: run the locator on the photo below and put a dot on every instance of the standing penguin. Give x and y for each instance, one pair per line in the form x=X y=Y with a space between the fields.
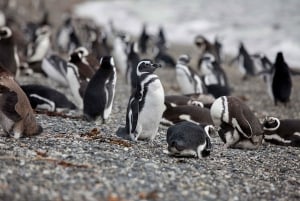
x=282 y=82
x=282 y=131
x=16 y=115
x=239 y=127
x=189 y=139
x=133 y=59
x=143 y=40
x=189 y=81
x=8 y=50
x=100 y=91
x=145 y=106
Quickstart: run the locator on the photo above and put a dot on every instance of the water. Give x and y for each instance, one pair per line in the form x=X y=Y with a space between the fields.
x=265 y=26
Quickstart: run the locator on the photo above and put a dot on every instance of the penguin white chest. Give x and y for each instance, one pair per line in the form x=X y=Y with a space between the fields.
x=151 y=113
x=184 y=80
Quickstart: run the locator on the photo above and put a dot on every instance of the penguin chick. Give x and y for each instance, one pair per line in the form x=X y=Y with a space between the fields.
x=100 y=91
x=239 y=127
x=145 y=106
x=188 y=139
x=282 y=132
x=16 y=115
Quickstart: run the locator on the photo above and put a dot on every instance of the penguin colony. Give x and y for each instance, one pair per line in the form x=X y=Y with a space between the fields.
x=86 y=60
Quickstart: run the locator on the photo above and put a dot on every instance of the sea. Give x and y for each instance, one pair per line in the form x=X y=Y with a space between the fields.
x=264 y=26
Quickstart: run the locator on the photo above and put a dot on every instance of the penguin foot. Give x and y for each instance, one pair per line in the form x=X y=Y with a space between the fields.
x=121 y=132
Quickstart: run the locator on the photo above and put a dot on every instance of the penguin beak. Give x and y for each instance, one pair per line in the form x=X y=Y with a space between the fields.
x=156 y=65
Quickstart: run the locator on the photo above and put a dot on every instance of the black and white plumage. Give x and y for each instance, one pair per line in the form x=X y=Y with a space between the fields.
x=144 y=40
x=214 y=77
x=281 y=83
x=239 y=127
x=45 y=98
x=204 y=46
x=133 y=59
x=8 y=50
x=16 y=115
x=66 y=36
x=55 y=68
x=188 y=139
x=177 y=100
x=245 y=62
x=162 y=56
x=119 y=52
x=282 y=131
x=40 y=45
x=100 y=91
x=188 y=79
x=145 y=106
x=195 y=114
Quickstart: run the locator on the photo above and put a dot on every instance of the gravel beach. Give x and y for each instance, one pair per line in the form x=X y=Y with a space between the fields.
x=78 y=160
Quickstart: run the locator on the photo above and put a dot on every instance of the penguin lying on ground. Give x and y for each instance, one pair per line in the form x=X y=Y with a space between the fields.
x=145 y=106
x=177 y=100
x=45 y=98
x=195 y=114
x=282 y=132
x=239 y=127
x=16 y=115
x=206 y=99
x=188 y=139
x=100 y=91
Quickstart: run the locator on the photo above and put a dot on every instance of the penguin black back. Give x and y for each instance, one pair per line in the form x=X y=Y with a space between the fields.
x=99 y=93
x=282 y=82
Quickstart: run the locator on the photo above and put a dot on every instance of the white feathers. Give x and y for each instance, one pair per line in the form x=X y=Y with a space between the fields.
x=74 y=84
x=219 y=111
x=53 y=73
x=120 y=55
x=49 y=105
x=277 y=138
x=200 y=148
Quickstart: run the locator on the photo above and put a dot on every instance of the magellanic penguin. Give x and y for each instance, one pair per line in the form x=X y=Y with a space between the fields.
x=188 y=139
x=177 y=100
x=188 y=79
x=162 y=56
x=195 y=114
x=204 y=46
x=16 y=115
x=55 y=68
x=133 y=59
x=119 y=52
x=146 y=105
x=214 y=77
x=281 y=82
x=143 y=40
x=45 y=98
x=100 y=91
x=282 y=131
x=8 y=50
x=245 y=63
x=239 y=127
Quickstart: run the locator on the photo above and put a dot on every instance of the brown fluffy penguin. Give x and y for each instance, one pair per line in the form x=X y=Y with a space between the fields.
x=8 y=50
x=239 y=127
x=16 y=115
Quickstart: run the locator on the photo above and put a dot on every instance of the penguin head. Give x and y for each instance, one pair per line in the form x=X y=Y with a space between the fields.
x=75 y=57
x=200 y=42
x=5 y=32
x=279 y=61
x=271 y=123
x=107 y=61
x=146 y=66
x=184 y=59
x=207 y=62
x=82 y=50
x=43 y=32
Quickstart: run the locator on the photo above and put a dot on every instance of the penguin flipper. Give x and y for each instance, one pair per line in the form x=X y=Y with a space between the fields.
x=134 y=108
x=122 y=132
x=10 y=99
x=244 y=126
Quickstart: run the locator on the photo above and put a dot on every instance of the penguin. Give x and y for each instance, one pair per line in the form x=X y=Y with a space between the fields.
x=218 y=47
x=206 y=99
x=66 y=37
x=39 y=48
x=16 y=115
x=245 y=62
x=45 y=98
x=143 y=40
x=9 y=57
x=284 y=132
x=145 y=106
x=100 y=91
x=88 y=58
x=281 y=83
x=195 y=114
x=189 y=140
x=161 y=38
x=55 y=68
x=214 y=77
x=119 y=52
x=239 y=127
x=133 y=59
x=204 y=46
x=162 y=56
x=178 y=100
x=188 y=79
x=99 y=43
x=86 y=69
